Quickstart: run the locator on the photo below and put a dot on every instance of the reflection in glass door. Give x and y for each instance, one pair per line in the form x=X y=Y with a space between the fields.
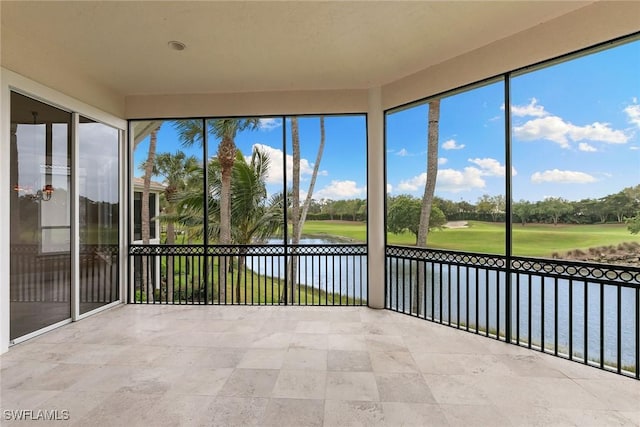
x=40 y=216
x=98 y=207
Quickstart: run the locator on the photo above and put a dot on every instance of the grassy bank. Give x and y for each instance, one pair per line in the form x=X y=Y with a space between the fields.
x=532 y=239
x=255 y=288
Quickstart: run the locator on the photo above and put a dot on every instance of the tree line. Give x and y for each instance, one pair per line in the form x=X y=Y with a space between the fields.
x=403 y=211
x=619 y=207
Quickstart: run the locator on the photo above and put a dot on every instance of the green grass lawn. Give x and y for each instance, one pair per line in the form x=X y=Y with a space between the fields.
x=532 y=239
x=254 y=288
x=342 y=230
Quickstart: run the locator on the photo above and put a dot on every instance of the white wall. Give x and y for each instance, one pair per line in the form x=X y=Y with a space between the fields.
x=583 y=28
x=57 y=70
x=246 y=104
x=375 y=201
x=5 y=185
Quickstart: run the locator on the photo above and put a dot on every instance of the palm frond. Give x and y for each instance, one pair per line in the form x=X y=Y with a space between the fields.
x=189 y=131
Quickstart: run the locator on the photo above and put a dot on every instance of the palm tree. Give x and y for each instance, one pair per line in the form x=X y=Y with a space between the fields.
x=314 y=176
x=256 y=217
x=295 y=209
x=190 y=131
x=177 y=170
x=429 y=190
x=144 y=208
x=298 y=218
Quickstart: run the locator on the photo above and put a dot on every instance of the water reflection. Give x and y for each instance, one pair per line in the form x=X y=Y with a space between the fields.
x=344 y=275
x=476 y=297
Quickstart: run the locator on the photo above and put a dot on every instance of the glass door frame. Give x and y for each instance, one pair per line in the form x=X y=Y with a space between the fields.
x=13 y=82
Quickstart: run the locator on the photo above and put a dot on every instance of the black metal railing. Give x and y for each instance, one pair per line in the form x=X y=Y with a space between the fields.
x=99 y=278
x=252 y=275
x=38 y=276
x=588 y=313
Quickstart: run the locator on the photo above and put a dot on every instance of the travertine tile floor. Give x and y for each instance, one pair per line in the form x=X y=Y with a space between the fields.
x=298 y=366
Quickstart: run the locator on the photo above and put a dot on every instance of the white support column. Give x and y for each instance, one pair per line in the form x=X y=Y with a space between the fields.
x=376 y=192
x=5 y=189
x=124 y=221
x=75 y=218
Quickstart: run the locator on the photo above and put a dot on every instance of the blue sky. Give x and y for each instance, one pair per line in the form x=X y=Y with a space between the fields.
x=575 y=134
x=342 y=172
x=575 y=130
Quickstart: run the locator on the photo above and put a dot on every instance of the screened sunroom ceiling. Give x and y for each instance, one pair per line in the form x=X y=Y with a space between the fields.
x=242 y=46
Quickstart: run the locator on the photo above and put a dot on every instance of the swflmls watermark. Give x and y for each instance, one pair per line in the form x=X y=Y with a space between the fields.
x=36 y=415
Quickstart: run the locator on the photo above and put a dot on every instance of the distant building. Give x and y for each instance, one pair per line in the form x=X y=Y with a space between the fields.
x=155 y=190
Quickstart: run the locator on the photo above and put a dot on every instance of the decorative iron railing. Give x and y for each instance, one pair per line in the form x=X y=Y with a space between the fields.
x=252 y=275
x=585 y=312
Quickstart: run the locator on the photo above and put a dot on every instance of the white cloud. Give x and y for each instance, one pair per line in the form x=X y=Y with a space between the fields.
x=442 y=160
x=448 y=180
x=491 y=167
x=598 y=132
x=389 y=188
x=269 y=124
x=633 y=112
x=551 y=128
x=275 y=175
x=338 y=190
x=562 y=177
x=555 y=129
x=402 y=153
x=413 y=184
x=583 y=146
x=634 y=148
x=451 y=144
x=531 y=109
x=456 y=181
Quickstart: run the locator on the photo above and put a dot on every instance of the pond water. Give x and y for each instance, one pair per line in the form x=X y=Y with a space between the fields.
x=344 y=275
x=462 y=284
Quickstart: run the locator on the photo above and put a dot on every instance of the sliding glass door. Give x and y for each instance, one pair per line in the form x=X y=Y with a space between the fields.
x=98 y=207
x=61 y=211
x=40 y=205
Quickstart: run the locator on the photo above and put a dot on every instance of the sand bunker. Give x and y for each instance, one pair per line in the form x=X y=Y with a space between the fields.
x=457 y=224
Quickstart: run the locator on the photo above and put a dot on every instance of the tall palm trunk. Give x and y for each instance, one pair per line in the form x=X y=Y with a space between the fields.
x=312 y=184
x=427 y=198
x=241 y=263
x=299 y=218
x=171 y=239
x=145 y=213
x=226 y=157
x=295 y=209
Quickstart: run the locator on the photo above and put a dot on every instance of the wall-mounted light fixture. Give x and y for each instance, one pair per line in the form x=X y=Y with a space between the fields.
x=46 y=193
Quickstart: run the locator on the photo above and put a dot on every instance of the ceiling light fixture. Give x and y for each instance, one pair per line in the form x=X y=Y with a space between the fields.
x=176 y=45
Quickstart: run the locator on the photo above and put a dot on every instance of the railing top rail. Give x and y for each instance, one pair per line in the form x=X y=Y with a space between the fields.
x=592 y=272
x=596 y=273
x=258 y=249
x=489 y=261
